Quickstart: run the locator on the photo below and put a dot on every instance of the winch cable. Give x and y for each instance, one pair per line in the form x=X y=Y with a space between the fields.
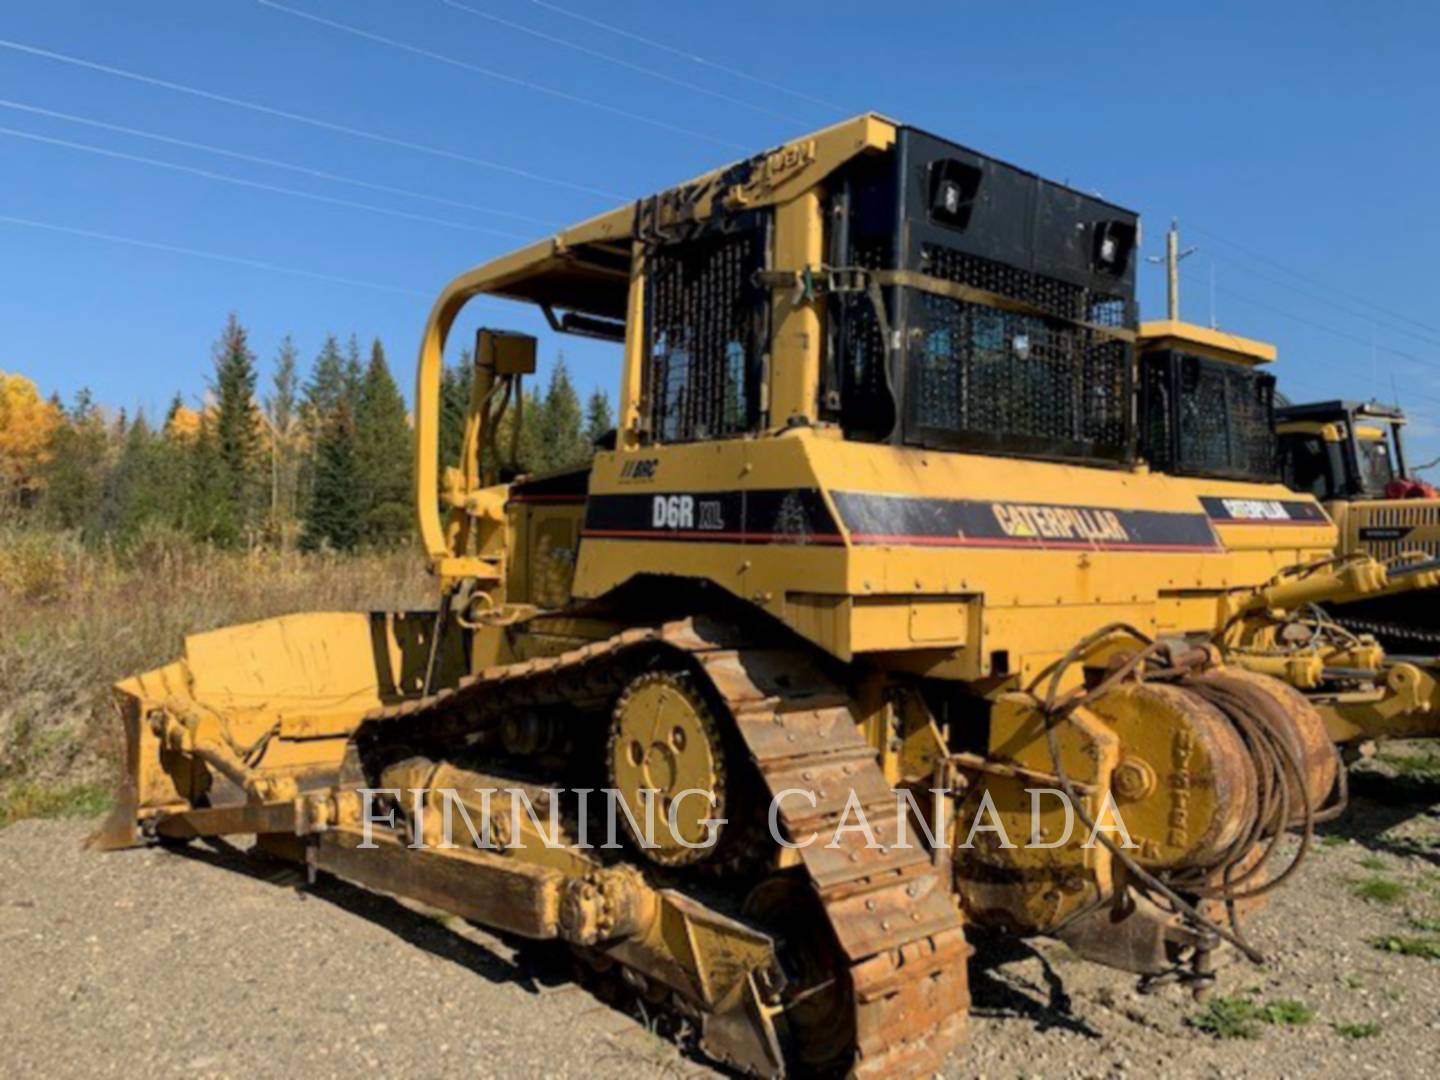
x=1275 y=760
x=1275 y=763
x=1054 y=712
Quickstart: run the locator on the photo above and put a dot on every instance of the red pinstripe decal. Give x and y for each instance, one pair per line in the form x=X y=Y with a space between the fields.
x=898 y=540
x=1314 y=523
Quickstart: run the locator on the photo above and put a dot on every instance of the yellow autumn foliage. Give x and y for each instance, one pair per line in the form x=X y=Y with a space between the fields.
x=26 y=423
x=183 y=424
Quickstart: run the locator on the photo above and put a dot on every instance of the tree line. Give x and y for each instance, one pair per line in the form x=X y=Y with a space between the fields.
x=319 y=459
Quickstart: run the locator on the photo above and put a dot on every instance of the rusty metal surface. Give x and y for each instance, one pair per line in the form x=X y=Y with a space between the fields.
x=1293 y=719
x=1199 y=791
x=258 y=818
x=499 y=892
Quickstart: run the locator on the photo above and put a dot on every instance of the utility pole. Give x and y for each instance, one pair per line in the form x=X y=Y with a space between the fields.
x=1172 y=258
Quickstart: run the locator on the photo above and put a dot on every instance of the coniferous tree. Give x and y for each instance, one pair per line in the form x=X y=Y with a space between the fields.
x=74 y=474
x=334 y=516
x=211 y=513
x=326 y=387
x=598 y=419
x=561 y=440
x=324 y=391
x=455 y=384
x=383 y=450
x=354 y=374
x=156 y=480
x=236 y=426
x=120 y=510
x=282 y=416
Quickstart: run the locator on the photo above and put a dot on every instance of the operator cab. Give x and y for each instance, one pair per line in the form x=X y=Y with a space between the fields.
x=1344 y=450
x=1207 y=407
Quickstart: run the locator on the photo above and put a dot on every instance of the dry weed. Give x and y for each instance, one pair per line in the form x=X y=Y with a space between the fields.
x=74 y=620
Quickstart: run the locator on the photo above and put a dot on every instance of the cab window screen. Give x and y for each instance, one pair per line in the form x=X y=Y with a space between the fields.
x=987 y=378
x=1206 y=417
x=1003 y=317
x=705 y=322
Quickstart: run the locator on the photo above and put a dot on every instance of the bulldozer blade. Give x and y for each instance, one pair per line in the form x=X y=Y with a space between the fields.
x=258 y=713
x=118 y=831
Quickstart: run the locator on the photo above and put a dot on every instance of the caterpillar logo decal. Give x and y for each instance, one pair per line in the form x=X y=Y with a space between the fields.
x=1060 y=523
x=1231 y=511
x=872 y=518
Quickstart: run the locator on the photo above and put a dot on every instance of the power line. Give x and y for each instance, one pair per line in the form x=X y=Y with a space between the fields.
x=299 y=118
x=1328 y=302
x=513 y=80
x=319 y=174
x=1328 y=329
x=1288 y=374
x=693 y=58
x=1315 y=281
x=1340 y=334
x=256 y=184
x=237 y=260
x=618 y=61
x=1317 y=394
x=1306 y=378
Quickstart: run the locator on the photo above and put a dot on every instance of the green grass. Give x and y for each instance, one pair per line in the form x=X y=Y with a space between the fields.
x=1380 y=889
x=1425 y=948
x=72 y=801
x=1287 y=1013
x=1365 y=1029
x=1242 y=1018
x=1333 y=840
x=1429 y=926
x=1423 y=766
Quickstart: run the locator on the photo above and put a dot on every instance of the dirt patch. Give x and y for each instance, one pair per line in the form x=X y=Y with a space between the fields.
x=211 y=963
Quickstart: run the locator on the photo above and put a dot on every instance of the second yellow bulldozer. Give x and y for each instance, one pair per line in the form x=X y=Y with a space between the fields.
x=873 y=601
x=1351 y=456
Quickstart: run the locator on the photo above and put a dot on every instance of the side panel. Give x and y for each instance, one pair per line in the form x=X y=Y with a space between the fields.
x=1391 y=527
x=964 y=564
x=545 y=516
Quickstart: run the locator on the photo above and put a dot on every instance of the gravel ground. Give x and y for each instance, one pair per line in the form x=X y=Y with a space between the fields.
x=207 y=963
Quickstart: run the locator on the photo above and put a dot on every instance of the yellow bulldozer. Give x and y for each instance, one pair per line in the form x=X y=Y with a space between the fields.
x=1351 y=456
x=872 y=624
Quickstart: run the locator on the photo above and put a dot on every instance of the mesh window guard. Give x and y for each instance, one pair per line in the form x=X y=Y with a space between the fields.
x=1209 y=418
x=705 y=320
x=987 y=378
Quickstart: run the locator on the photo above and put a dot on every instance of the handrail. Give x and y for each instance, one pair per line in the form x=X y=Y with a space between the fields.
x=428 y=371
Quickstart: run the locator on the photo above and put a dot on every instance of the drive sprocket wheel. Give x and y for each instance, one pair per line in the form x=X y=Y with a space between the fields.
x=664 y=738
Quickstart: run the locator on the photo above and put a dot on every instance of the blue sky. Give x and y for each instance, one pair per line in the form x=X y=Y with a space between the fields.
x=1296 y=142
